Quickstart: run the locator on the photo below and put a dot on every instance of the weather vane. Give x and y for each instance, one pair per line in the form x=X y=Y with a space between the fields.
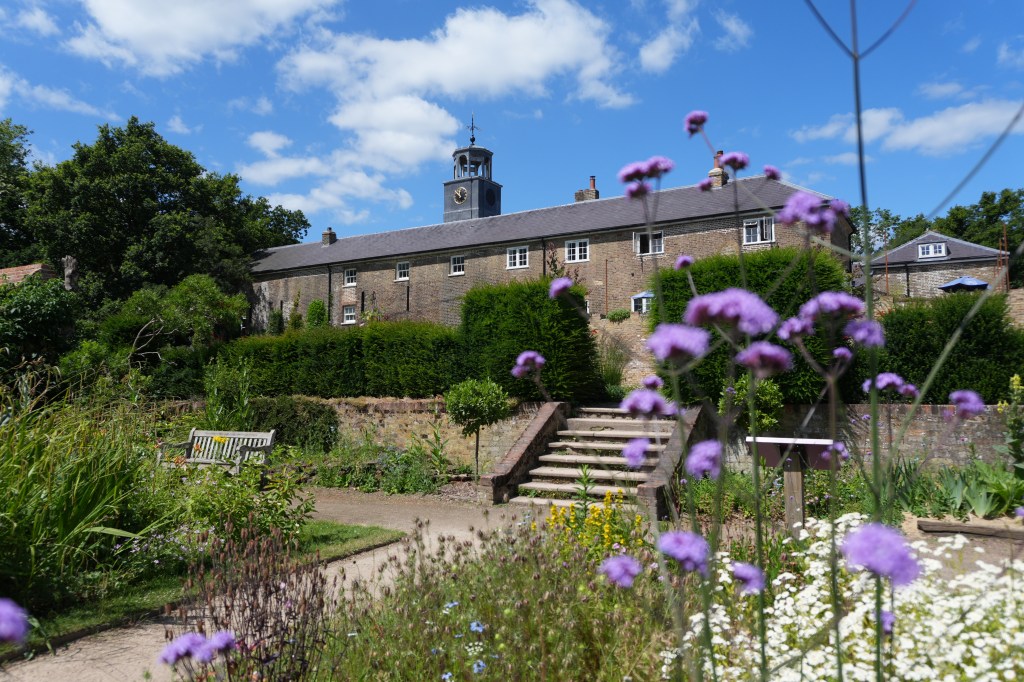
x=472 y=127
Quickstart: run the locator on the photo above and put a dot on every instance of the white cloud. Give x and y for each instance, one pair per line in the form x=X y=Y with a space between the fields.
x=275 y=170
x=1012 y=55
x=163 y=38
x=334 y=194
x=971 y=45
x=268 y=142
x=845 y=159
x=940 y=90
x=48 y=98
x=37 y=20
x=177 y=125
x=659 y=54
x=944 y=132
x=737 y=32
x=261 y=106
x=680 y=9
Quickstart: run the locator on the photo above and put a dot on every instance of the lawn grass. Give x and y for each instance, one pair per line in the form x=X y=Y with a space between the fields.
x=332 y=540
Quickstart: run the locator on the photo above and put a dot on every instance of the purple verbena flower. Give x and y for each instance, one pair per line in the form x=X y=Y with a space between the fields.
x=638 y=189
x=867 y=333
x=559 y=286
x=737 y=307
x=1019 y=512
x=652 y=381
x=689 y=549
x=222 y=640
x=837 y=448
x=772 y=173
x=840 y=207
x=635 y=451
x=13 y=622
x=883 y=381
x=621 y=570
x=705 y=185
x=528 y=361
x=795 y=327
x=882 y=551
x=633 y=172
x=832 y=304
x=750 y=576
x=765 y=359
x=646 y=403
x=658 y=166
x=683 y=261
x=183 y=646
x=842 y=354
x=695 y=120
x=678 y=342
x=908 y=391
x=967 y=403
x=888 y=619
x=704 y=458
x=812 y=211
x=735 y=160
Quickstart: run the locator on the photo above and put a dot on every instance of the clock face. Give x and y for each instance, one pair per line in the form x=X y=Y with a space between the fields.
x=460 y=195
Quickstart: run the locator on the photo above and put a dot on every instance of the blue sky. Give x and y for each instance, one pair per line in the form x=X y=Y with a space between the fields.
x=350 y=110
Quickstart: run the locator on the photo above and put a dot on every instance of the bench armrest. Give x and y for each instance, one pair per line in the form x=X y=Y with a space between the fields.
x=167 y=448
x=246 y=452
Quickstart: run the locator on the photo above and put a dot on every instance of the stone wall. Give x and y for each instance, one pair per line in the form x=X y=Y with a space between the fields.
x=399 y=421
x=612 y=273
x=1015 y=302
x=928 y=437
x=630 y=336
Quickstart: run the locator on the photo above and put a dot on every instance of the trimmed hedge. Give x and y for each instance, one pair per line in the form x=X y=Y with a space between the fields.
x=785 y=279
x=988 y=353
x=298 y=421
x=500 y=321
x=407 y=359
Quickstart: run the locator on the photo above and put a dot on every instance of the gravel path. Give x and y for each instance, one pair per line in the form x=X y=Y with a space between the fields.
x=127 y=653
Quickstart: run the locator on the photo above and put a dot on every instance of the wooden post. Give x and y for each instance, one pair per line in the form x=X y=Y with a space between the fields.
x=793 y=489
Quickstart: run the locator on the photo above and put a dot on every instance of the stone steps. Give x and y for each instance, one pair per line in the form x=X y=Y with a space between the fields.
x=574 y=489
x=596 y=423
x=594 y=474
x=605 y=461
x=614 y=446
x=621 y=434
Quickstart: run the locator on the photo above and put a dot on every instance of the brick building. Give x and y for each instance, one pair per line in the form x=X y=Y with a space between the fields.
x=919 y=267
x=423 y=272
x=20 y=273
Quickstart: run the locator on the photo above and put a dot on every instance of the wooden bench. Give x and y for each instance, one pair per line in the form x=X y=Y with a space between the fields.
x=795 y=455
x=219 y=448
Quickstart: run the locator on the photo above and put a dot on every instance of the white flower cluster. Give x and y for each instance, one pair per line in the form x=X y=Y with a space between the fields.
x=965 y=628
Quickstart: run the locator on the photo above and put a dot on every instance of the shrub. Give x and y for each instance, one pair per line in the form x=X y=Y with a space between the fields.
x=37 y=317
x=316 y=314
x=228 y=389
x=179 y=372
x=989 y=351
x=275 y=323
x=303 y=422
x=618 y=315
x=784 y=278
x=476 y=403
x=411 y=359
x=500 y=321
x=768 y=403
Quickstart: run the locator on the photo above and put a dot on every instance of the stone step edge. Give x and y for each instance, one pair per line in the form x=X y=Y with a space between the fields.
x=597 y=460
x=572 y=488
x=574 y=474
x=582 y=445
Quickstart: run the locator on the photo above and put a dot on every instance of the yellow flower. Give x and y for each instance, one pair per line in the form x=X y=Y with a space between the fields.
x=220 y=439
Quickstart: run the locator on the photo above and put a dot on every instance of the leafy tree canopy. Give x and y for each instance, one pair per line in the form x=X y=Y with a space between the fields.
x=15 y=242
x=135 y=210
x=36 y=319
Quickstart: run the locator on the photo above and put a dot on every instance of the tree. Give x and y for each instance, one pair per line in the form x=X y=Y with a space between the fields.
x=16 y=246
x=36 y=319
x=881 y=224
x=474 y=404
x=137 y=211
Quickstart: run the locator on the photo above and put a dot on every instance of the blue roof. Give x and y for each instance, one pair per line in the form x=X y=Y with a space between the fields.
x=965 y=283
x=643 y=294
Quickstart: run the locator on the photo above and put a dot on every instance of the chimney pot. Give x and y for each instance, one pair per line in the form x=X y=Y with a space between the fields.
x=719 y=178
x=593 y=182
x=328 y=238
x=589 y=194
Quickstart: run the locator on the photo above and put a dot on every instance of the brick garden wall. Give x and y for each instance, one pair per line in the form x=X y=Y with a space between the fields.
x=1015 y=301
x=398 y=421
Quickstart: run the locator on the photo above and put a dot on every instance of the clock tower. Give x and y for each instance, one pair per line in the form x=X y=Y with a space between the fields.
x=471 y=193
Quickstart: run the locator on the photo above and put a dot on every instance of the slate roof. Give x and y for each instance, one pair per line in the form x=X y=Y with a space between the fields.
x=957 y=250
x=674 y=205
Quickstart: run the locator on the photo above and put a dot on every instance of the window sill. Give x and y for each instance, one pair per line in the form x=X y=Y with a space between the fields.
x=348 y=323
x=401 y=279
x=582 y=260
x=770 y=241
x=456 y=274
x=518 y=267
x=348 y=286
x=656 y=253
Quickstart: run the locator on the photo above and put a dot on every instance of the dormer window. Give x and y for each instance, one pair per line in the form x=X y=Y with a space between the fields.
x=931 y=250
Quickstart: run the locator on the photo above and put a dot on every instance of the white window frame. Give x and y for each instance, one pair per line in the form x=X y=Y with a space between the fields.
x=655 y=246
x=517 y=257
x=931 y=250
x=764 y=230
x=457 y=269
x=577 y=251
x=641 y=305
x=348 y=314
x=398 y=270
x=350 y=277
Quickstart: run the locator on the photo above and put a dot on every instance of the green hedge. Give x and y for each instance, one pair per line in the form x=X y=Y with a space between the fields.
x=784 y=278
x=500 y=321
x=305 y=422
x=988 y=353
x=412 y=359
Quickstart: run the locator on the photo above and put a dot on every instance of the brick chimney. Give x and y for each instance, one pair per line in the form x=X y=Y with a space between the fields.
x=588 y=194
x=719 y=178
x=328 y=237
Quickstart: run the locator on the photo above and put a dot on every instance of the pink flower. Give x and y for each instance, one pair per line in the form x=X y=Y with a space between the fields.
x=735 y=307
x=772 y=173
x=705 y=185
x=678 y=342
x=967 y=403
x=765 y=359
x=695 y=120
x=638 y=189
x=559 y=286
x=635 y=452
x=683 y=261
x=735 y=160
x=528 y=361
x=621 y=570
x=882 y=551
